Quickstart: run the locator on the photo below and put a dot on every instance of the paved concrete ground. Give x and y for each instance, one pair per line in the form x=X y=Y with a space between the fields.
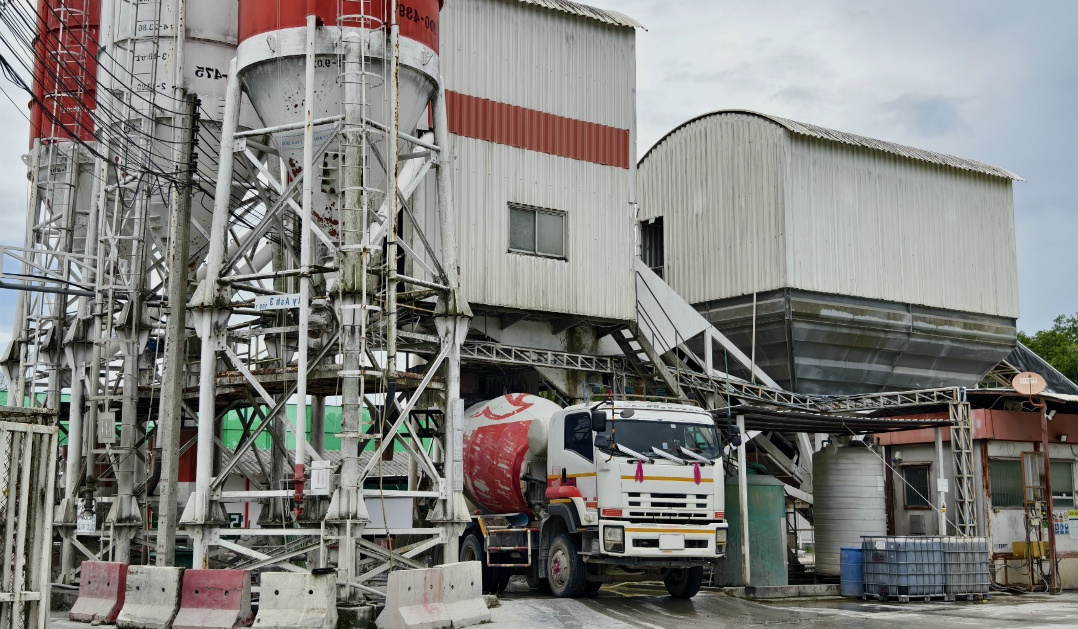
x=646 y=606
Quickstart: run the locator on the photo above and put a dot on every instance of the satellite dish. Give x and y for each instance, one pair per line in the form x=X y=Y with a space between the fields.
x=1028 y=383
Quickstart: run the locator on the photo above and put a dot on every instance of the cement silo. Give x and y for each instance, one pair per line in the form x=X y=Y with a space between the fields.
x=271 y=58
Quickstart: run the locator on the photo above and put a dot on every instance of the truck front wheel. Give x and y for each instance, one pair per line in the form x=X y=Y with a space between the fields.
x=684 y=582
x=565 y=568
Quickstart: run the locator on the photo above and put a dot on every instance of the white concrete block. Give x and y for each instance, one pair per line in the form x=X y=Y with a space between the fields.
x=414 y=601
x=289 y=599
x=152 y=598
x=462 y=593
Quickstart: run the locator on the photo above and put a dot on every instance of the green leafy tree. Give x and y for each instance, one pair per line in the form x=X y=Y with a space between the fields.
x=1058 y=345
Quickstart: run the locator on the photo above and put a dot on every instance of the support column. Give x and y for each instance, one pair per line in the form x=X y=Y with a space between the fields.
x=318 y=424
x=208 y=299
x=453 y=317
x=68 y=509
x=743 y=502
x=1053 y=576
x=941 y=496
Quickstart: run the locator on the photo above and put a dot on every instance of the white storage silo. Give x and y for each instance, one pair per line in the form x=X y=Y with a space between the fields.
x=848 y=501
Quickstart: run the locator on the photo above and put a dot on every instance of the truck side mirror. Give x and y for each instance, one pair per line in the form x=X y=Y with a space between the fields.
x=598 y=421
x=735 y=437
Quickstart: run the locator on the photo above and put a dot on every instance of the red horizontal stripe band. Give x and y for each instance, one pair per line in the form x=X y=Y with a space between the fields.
x=510 y=125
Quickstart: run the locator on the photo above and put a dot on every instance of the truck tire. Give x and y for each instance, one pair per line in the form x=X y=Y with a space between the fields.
x=471 y=549
x=591 y=587
x=684 y=582
x=539 y=583
x=565 y=568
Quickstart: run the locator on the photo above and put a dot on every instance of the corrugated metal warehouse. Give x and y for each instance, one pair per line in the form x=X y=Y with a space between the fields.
x=873 y=265
x=542 y=109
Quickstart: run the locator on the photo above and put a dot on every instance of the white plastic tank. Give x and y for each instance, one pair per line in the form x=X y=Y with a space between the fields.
x=848 y=501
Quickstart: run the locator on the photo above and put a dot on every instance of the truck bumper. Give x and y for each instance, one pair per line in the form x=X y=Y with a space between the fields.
x=664 y=541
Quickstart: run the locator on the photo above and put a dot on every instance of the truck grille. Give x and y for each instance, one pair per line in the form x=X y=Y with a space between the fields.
x=680 y=502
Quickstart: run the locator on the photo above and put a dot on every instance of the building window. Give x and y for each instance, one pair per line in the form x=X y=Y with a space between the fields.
x=916 y=477
x=1063 y=485
x=536 y=231
x=652 y=245
x=578 y=434
x=1005 y=478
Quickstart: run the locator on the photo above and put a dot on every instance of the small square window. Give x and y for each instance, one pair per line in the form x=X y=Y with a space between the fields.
x=536 y=231
x=916 y=477
x=1005 y=479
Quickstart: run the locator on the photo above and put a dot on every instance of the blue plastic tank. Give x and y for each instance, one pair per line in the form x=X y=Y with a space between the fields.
x=851 y=577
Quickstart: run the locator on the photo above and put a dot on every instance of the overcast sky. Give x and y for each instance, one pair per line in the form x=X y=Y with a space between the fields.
x=984 y=79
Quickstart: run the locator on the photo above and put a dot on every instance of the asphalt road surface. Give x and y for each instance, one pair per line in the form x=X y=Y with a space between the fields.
x=632 y=606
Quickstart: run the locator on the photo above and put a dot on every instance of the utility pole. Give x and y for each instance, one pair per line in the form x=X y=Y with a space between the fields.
x=170 y=415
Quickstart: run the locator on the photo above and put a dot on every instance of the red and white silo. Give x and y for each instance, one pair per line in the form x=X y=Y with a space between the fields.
x=271 y=61
x=65 y=70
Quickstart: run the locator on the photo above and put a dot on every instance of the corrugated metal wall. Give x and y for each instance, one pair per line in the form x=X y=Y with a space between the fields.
x=557 y=64
x=869 y=224
x=719 y=184
x=546 y=60
x=749 y=206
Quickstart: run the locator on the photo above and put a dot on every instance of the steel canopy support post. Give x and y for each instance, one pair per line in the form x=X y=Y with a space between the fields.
x=743 y=502
x=941 y=496
x=208 y=299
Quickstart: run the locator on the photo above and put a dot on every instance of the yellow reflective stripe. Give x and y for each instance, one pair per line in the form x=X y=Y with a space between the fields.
x=671 y=478
x=584 y=475
x=561 y=501
x=679 y=531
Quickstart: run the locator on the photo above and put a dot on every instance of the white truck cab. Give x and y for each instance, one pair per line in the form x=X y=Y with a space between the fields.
x=642 y=485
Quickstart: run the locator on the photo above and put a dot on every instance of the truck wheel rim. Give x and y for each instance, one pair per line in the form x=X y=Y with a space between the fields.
x=559 y=567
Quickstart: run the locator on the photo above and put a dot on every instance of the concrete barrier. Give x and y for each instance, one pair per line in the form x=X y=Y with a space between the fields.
x=102 y=586
x=462 y=593
x=414 y=601
x=152 y=599
x=447 y=596
x=215 y=599
x=290 y=599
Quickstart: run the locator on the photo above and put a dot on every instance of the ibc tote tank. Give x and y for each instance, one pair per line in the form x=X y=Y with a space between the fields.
x=848 y=502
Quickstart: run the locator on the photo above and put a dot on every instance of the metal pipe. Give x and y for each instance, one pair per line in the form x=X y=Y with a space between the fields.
x=305 y=255
x=743 y=502
x=291 y=126
x=391 y=190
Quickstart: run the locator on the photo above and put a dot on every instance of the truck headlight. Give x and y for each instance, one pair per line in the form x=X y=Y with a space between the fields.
x=614 y=538
x=720 y=537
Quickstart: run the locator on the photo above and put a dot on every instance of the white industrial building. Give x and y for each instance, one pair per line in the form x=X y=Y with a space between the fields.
x=865 y=265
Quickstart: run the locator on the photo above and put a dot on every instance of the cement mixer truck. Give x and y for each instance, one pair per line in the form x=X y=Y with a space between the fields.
x=606 y=492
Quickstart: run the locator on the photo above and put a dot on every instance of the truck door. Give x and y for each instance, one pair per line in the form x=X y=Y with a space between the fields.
x=572 y=459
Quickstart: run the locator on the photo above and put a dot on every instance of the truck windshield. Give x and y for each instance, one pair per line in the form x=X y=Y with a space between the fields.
x=642 y=435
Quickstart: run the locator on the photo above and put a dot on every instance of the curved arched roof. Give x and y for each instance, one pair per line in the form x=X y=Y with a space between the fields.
x=841 y=137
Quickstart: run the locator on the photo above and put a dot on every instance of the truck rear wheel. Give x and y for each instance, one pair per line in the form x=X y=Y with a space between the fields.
x=565 y=568
x=471 y=549
x=684 y=582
